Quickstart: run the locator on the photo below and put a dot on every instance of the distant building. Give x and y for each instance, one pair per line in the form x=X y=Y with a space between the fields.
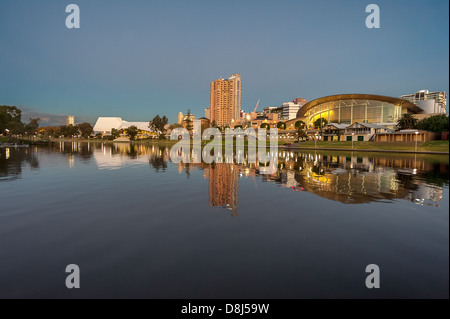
x=290 y=110
x=188 y=119
x=180 y=118
x=410 y=135
x=204 y=122
x=104 y=125
x=225 y=100
x=300 y=101
x=429 y=102
x=208 y=113
x=258 y=118
x=70 y=120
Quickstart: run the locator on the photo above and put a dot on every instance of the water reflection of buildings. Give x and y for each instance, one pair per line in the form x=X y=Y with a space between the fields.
x=355 y=180
x=349 y=178
x=223 y=186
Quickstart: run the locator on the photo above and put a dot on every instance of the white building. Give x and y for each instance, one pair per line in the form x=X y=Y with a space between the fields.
x=104 y=125
x=290 y=110
x=429 y=102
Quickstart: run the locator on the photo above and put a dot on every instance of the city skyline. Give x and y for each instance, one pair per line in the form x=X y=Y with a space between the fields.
x=139 y=61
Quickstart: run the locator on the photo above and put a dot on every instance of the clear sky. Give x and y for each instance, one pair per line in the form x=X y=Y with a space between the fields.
x=136 y=59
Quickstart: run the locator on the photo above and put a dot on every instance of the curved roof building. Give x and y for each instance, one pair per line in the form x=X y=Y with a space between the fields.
x=350 y=108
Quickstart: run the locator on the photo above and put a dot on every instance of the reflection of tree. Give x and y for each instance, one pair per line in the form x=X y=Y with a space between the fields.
x=85 y=152
x=437 y=176
x=407 y=181
x=12 y=160
x=187 y=169
x=132 y=153
x=158 y=162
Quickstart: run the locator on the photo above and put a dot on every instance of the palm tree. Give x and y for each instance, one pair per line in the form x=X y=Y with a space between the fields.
x=407 y=121
x=320 y=123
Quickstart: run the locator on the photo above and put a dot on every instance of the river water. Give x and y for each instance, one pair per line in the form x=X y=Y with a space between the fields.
x=140 y=226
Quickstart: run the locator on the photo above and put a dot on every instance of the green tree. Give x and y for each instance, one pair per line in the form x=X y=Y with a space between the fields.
x=32 y=126
x=407 y=121
x=320 y=123
x=158 y=123
x=435 y=123
x=68 y=130
x=114 y=133
x=11 y=119
x=281 y=125
x=132 y=131
x=174 y=126
x=213 y=123
x=301 y=134
x=265 y=125
x=85 y=129
x=300 y=124
x=188 y=121
x=98 y=135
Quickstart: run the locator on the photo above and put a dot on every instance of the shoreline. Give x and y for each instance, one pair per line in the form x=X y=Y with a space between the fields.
x=379 y=148
x=362 y=150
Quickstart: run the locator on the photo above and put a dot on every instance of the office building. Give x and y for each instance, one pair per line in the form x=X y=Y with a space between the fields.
x=225 y=100
x=429 y=102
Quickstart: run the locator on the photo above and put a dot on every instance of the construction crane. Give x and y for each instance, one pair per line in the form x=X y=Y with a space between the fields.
x=256 y=106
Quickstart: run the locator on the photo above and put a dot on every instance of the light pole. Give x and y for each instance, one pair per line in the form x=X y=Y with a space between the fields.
x=353 y=133
x=315 y=140
x=417 y=133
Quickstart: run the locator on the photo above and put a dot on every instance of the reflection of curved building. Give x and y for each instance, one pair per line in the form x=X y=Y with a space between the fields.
x=357 y=180
x=351 y=108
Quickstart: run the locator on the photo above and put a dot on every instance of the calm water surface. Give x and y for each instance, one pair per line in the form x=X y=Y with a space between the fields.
x=141 y=226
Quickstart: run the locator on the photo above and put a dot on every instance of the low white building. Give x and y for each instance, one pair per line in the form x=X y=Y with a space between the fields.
x=104 y=125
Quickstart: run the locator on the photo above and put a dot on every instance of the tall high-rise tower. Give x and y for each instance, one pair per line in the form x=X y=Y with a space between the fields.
x=225 y=100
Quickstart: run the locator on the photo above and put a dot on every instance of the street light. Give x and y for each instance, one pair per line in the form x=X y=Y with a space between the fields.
x=315 y=140
x=417 y=133
x=353 y=133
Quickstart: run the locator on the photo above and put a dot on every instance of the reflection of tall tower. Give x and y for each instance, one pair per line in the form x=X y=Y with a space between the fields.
x=224 y=186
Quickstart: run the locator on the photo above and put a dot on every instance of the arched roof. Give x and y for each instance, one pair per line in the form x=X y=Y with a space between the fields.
x=404 y=103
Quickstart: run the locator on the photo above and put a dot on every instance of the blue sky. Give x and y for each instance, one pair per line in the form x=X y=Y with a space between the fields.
x=136 y=59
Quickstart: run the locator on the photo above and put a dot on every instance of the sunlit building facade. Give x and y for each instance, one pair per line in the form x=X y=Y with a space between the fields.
x=225 y=100
x=351 y=108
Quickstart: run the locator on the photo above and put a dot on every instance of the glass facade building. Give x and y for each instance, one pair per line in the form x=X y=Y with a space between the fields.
x=351 y=108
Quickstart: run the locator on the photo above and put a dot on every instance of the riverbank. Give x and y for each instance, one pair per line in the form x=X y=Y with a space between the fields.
x=432 y=147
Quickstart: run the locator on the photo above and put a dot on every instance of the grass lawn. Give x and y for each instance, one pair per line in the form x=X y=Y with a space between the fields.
x=435 y=146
